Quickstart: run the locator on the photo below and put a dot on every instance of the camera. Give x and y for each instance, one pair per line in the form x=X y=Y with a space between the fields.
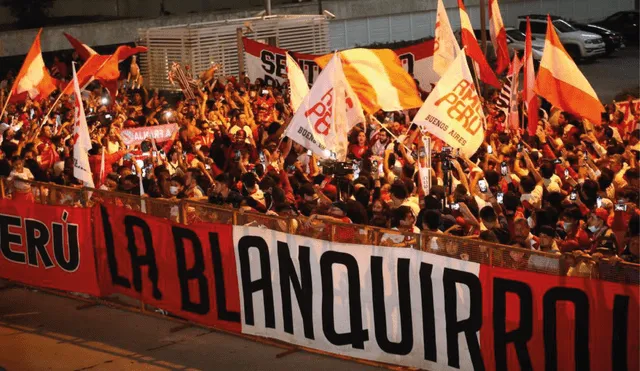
x=337 y=168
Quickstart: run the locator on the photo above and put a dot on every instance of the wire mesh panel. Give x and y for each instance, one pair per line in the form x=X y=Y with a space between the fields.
x=201 y=44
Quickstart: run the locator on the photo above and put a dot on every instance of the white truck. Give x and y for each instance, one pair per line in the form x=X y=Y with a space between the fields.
x=579 y=44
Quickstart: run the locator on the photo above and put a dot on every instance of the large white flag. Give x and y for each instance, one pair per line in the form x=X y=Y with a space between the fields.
x=445 y=47
x=453 y=111
x=82 y=145
x=320 y=123
x=297 y=83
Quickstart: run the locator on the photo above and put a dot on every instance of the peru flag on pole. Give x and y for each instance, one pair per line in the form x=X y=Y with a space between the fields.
x=498 y=36
x=82 y=140
x=561 y=82
x=530 y=98
x=33 y=80
x=83 y=50
x=445 y=47
x=473 y=50
x=320 y=123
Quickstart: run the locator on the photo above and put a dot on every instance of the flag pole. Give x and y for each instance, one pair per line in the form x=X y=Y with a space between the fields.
x=6 y=103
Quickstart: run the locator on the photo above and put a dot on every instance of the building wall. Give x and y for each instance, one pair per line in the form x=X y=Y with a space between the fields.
x=357 y=22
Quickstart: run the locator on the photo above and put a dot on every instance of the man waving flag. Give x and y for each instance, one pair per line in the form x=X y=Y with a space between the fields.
x=470 y=42
x=561 y=82
x=498 y=36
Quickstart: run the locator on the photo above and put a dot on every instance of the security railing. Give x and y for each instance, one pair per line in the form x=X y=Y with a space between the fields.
x=468 y=249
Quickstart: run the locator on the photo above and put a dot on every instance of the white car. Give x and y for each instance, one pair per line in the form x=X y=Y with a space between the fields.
x=516 y=43
x=579 y=44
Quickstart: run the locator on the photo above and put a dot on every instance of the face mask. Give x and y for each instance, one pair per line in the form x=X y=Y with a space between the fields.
x=567 y=226
x=593 y=228
x=198 y=147
x=173 y=190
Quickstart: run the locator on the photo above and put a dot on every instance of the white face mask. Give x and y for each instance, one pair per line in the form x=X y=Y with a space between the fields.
x=567 y=226
x=173 y=190
x=593 y=228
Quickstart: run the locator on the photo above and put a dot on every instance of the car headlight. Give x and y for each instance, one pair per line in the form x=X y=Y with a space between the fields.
x=593 y=41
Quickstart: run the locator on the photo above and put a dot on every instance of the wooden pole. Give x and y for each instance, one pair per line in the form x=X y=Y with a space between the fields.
x=240 y=56
x=6 y=103
x=483 y=26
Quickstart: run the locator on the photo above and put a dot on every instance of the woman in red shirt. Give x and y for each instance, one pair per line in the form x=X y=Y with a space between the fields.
x=358 y=149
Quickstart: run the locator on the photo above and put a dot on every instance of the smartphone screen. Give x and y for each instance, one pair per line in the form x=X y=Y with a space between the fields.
x=599 y=201
x=455 y=206
x=489 y=149
x=500 y=197
x=566 y=173
x=483 y=185
x=309 y=153
x=574 y=196
x=519 y=147
x=503 y=168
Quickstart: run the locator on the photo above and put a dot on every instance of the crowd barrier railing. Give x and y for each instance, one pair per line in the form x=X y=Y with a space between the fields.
x=468 y=249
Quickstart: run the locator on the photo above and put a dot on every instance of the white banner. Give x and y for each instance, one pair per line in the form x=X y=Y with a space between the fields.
x=382 y=304
x=453 y=111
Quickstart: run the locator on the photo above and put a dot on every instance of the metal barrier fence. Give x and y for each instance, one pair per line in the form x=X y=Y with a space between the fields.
x=469 y=249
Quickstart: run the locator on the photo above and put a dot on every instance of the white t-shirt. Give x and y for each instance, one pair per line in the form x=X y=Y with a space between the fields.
x=534 y=198
x=25 y=174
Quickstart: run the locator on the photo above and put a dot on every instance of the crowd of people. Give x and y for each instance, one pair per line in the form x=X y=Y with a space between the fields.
x=571 y=188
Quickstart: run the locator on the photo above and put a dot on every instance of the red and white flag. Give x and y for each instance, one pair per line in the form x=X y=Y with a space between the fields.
x=498 y=36
x=530 y=97
x=445 y=48
x=297 y=83
x=82 y=140
x=84 y=51
x=378 y=79
x=453 y=111
x=561 y=82
x=320 y=123
x=33 y=80
x=470 y=43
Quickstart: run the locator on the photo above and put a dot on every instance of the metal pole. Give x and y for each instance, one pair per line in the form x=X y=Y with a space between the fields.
x=483 y=26
x=267 y=7
x=320 y=9
x=240 y=56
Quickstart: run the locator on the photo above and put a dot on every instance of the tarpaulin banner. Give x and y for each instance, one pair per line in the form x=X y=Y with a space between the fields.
x=398 y=306
x=269 y=63
x=538 y=321
x=186 y=270
x=406 y=307
x=47 y=246
x=161 y=133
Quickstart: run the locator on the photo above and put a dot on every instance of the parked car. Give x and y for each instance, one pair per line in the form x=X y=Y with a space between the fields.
x=516 y=42
x=612 y=40
x=579 y=44
x=626 y=23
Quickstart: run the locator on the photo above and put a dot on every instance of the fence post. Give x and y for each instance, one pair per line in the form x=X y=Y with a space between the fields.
x=333 y=233
x=85 y=196
x=234 y=217
x=2 y=188
x=182 y=218
x=43 y=200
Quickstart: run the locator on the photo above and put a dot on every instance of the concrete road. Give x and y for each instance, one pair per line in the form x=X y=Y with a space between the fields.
x=40 y=331
x=611 y=75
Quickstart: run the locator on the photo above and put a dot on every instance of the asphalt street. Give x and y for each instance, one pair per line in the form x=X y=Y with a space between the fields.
x=40 y=331
x=611 y=75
